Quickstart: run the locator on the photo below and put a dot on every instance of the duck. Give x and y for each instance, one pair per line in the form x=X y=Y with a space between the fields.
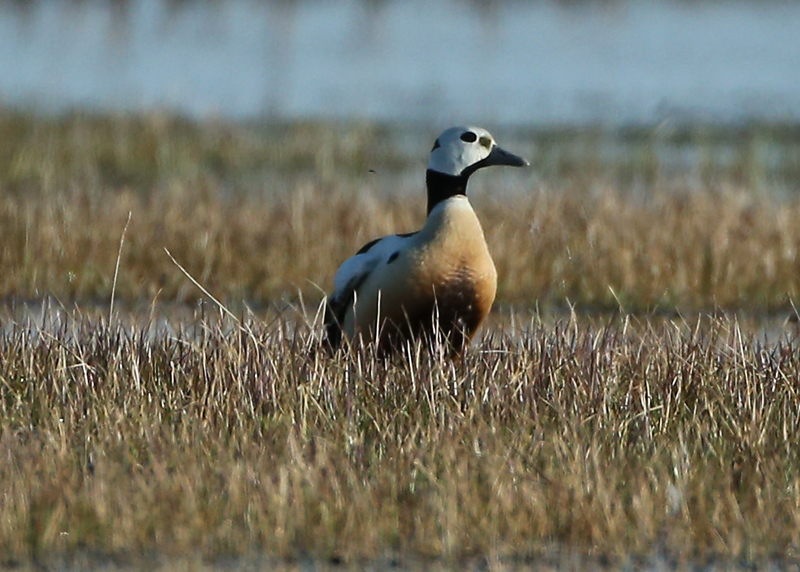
x=436 y=283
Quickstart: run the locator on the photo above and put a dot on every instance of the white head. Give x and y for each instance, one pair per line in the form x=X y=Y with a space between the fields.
x=463 y=150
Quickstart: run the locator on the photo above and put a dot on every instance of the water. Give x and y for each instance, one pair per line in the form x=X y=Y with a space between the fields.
x=520 y=63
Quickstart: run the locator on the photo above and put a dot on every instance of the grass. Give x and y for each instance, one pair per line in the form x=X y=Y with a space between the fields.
x=612 y=438
x=598 y=248
x=605 y=441
x=256 y=212
x=616 y=439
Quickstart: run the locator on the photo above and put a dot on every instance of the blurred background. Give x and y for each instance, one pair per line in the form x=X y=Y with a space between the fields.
x=511 y=63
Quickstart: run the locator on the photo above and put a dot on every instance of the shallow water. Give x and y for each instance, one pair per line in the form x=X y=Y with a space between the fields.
x=523 y=63
x=48 y=317
x=556 y=561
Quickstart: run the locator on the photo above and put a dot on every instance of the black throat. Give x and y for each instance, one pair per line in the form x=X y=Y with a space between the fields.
x=441 y=187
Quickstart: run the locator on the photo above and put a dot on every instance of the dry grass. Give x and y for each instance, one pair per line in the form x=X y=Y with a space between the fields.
x=256 y=212
x=184 y=436
x=673 y=248
x=615 y=439
x=596 y=248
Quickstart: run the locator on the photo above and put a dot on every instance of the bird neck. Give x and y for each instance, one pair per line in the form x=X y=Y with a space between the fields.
x=441 y=187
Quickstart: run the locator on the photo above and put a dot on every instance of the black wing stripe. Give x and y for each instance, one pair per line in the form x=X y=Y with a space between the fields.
x=367 y=246
x=372 y=243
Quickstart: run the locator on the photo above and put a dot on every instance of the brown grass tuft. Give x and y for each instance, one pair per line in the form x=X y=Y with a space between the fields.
x=718 y=248
x=621 y=438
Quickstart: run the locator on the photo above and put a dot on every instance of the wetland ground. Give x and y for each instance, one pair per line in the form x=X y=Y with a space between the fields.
x=633 y=402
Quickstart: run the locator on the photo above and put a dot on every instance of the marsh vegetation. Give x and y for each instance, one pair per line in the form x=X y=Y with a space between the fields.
x=663 y=422
x=644 y=220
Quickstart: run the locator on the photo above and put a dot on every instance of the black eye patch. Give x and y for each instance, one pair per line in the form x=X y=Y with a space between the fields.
x=469 y=137
x=436 y=145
